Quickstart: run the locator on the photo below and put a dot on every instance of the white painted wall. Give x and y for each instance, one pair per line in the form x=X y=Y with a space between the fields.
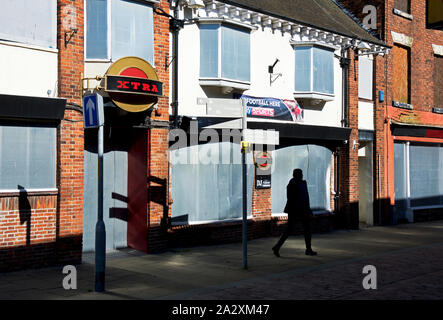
x=28 y=70
x=94 y=69
x=266 y=46
x=365 y=115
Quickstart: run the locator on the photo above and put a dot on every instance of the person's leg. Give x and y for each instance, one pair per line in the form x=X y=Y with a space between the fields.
x=308 y=235
x=284 y=236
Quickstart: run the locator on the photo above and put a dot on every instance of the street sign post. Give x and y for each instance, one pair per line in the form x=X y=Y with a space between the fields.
x=94 y=117
x=93 y=111
x=236 y=109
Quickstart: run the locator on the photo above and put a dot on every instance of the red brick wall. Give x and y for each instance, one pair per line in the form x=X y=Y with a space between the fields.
x=349 y=189
x=158 y=170
x=421 y=81
x=27 y=230
x=70 y=134
x=44 y=228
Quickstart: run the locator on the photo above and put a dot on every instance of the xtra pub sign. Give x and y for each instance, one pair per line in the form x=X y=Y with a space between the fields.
x=132 y=84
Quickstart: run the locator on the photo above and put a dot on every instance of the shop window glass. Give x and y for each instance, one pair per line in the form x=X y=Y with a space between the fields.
x=30 y=22
x=426 y=175
x=400 y=182
x=27 y=157
x=209 y=190
x=315 y=161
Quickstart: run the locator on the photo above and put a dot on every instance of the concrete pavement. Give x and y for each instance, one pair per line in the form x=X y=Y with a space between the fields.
x=408 y=258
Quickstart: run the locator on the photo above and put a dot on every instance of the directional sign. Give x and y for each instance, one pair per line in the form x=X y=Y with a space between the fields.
x=93 y=111
x=231 y=108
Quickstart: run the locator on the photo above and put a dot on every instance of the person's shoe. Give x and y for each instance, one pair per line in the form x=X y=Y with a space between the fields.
x=310 y=252
x=275 y=250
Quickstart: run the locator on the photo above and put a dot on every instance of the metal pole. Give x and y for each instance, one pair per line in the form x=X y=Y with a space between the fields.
x=244 y=182
x=100 y=231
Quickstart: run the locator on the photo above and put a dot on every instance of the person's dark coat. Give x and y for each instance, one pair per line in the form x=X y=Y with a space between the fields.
x=298 y=199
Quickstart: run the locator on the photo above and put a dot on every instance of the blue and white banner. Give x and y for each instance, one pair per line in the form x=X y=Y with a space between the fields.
x=272 y=108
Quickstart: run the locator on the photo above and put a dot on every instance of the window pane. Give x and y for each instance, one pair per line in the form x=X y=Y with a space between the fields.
x=235 y=53
x=315 y=161
x=402 y=5
x=365 y=79
x=97 y=28
x=323 y=70
x=209 y=50
x=400 y=180
x=31 y=22
x=303 y=68
x=426 y=174
x=27 y=157
x=132 y=30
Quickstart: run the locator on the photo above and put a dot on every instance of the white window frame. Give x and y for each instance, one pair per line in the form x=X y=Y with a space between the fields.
x=219 y=80
x=312 y=94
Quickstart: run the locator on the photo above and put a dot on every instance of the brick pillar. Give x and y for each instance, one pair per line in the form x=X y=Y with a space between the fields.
x=70 y=133
x=158 y=167
x=382 y=129
x=349 y=155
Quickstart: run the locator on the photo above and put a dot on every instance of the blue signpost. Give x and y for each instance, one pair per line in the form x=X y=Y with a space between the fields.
x=94 y=117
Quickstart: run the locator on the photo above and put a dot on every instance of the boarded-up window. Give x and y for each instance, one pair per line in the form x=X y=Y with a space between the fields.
x=402 y=5
x=401 y=74
x=438 y=81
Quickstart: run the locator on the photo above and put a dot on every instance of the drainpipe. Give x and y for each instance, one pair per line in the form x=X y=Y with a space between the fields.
x=344 y=64
x=175 y=25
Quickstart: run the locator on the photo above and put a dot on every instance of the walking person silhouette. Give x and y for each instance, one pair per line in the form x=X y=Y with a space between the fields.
x=298 y=209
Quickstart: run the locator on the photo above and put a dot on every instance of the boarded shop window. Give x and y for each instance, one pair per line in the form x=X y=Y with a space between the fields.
x=232 y=45
x=315 y=161
x=27 y=157
x=426 y=175
x=403 y=5
x=401 y=81
x=128 y=32
x=423 y=164
x=438 y=81
x=365 y=77
x=207 y=183
x=30 y=22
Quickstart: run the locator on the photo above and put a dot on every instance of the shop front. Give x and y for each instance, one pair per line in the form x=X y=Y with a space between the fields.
x=210 y=172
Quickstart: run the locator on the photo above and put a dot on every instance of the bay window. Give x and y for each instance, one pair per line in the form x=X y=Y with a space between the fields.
x=224 y=52
x=119 y=28
x=314 y=70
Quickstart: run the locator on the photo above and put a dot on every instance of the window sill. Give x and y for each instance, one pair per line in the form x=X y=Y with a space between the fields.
x=225 y=83
x=403 y=14
x=180 y=224
x=314 y=96
x=29 y=192
x=28 y=46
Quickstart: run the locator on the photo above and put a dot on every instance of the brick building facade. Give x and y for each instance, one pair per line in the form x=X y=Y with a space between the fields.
x=407 y=121
x=42 y=219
